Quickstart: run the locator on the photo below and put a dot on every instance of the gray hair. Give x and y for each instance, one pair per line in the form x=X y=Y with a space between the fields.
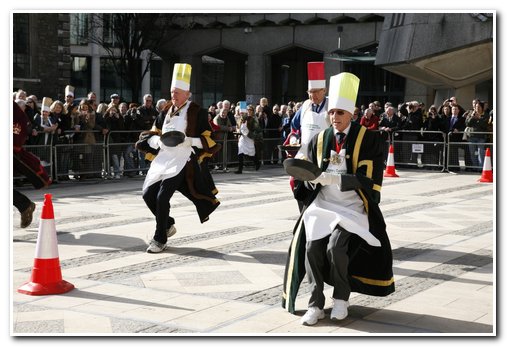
x=159 y=103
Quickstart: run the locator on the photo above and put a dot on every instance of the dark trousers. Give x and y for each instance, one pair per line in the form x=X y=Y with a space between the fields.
x=241 y=161
x=157 y=198
x=326 y=260
x=21 y=202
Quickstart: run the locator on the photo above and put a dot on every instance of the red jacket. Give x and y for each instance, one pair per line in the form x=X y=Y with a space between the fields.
x=370 y=124
x=20 y=125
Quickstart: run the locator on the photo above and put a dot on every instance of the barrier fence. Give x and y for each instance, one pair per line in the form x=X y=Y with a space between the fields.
x=114 y=155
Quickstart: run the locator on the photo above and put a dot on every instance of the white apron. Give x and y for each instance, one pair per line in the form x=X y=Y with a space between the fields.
x=333 y=207
x=311 y=124
x=170 y=160
x=245 y=144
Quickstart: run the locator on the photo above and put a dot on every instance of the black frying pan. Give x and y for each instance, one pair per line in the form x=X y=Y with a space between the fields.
x=302 y=170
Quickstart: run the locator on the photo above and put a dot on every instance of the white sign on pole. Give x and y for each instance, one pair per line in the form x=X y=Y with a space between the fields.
x=418 y=148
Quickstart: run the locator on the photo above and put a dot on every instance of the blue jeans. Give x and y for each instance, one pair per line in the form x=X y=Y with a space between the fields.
x=476 y=151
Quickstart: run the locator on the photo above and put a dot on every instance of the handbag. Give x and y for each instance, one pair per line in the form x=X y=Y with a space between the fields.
x=466 y=133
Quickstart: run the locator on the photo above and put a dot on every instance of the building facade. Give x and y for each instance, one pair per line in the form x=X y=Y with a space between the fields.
x=246 y=56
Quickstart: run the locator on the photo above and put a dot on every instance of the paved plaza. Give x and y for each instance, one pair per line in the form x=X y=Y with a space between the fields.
x=224 y=277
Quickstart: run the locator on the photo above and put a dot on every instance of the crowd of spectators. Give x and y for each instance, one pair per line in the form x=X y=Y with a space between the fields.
x=91 y=123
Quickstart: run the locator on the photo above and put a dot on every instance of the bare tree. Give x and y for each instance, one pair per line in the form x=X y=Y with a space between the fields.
x=128 y=38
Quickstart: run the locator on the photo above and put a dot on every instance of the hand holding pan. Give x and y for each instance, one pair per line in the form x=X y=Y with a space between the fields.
x=302 y=170
x=172 y=138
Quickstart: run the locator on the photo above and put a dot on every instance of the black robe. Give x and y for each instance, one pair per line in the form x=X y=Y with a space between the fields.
x=370 y=268
x=199 y=185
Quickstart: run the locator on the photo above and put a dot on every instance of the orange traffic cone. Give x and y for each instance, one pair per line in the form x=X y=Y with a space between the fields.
x=46 y=273
x=487 y=172
x=390 y=169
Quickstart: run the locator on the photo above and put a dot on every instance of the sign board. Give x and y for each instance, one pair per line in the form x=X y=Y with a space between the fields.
x=242 y=106
x=418 y=148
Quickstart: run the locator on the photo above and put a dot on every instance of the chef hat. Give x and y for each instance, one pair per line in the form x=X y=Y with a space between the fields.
x=46 y=104
x=69 y=90
x=343 y=90
x=316 y=76
x=181 y=76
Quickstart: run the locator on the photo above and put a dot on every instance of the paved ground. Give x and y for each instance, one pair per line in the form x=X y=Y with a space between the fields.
x=225 y=276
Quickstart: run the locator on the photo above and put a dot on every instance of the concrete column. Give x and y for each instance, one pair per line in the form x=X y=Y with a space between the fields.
x=254 y=89
x=95 y=68
x=465 y=95
x=145 y=84
x=332 y=67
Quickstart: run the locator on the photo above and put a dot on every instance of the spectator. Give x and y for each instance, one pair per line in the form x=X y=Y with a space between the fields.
x=92 y=101
x=160 y=105
x=272 y=137
x=115 y=102
x=144 y=120
x=477 y=122
x=45 y=125
x=21 y=94
x=115 y=124
x=224 y=132
x=389 y=123
x=452 y=101
x=454 y=125
x=89 y=164
x=31 y=109
x=63 y=139
x=433 y=152
x=248 y=129
x=131 y=136
x=369 y=120
x=226 y=105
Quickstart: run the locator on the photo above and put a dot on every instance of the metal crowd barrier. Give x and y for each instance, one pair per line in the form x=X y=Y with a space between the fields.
x=111 y=159
x=469 y=153
x=419 y=148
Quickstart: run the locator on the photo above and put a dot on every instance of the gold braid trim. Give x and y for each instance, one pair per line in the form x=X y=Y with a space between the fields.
x=381 y=283
x=320 y=145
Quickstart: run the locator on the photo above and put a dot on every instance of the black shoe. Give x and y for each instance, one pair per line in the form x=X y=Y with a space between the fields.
x=257 y=166
x=238 y=172
x=27 y=215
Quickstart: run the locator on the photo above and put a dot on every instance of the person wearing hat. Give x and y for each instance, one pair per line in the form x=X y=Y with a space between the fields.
x=179 y=144
x=249 y=133
x=45 y=124
x=310 y=118
x=341 y=238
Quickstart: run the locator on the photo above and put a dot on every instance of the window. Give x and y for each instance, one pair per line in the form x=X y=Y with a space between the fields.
x=111 y=82
x=108 y=33
x=81 y=76
x=212 y=80
x=21 y=45
x=79 y=29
